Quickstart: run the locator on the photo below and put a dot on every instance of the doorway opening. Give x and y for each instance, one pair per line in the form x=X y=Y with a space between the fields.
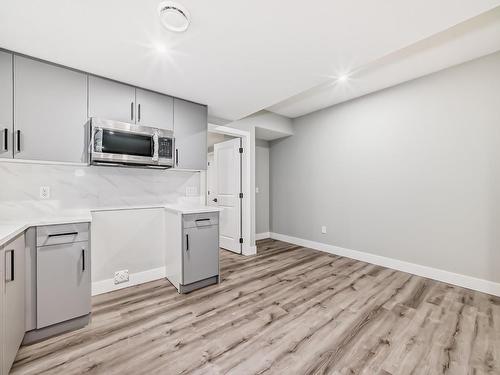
x=227 y=187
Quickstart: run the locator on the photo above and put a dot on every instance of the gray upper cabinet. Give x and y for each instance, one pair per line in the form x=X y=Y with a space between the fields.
x=111 y=100
x=155 y=110
x=190 y=132
x=13 y=299
x=50 y=112
x=6 y=94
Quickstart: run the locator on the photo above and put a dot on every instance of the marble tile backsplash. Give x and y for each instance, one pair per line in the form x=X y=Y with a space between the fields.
x=75 y=188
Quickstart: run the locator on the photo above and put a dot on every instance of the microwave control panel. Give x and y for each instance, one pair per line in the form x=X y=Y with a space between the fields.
x=165 y=147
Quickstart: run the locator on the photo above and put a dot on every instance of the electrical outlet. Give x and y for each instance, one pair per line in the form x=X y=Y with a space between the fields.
x=257 y=190
x=191 y=191
x=121 y=276
x=44 y=192
x=323 y=229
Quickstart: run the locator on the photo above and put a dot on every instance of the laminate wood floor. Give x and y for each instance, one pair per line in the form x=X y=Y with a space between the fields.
x=288 y=310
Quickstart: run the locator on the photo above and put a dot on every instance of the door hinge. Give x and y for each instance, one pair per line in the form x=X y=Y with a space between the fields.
x=241 y=150
x=241 y=240
x=241 y=195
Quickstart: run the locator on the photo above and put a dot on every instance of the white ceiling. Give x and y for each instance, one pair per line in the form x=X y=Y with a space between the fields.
x=471 y=39
x=238 y=56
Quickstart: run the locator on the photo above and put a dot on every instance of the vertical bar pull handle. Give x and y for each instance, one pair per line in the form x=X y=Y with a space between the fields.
x=187 y=242
x=177 y=157
x=139 y=113
x=18 y=133
x=131 y=110
x=6 y=139
x=9 y=272
x=83 y=259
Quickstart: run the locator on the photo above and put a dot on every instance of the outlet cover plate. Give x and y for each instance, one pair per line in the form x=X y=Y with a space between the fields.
x=44 y=192
x=323 y=229
x=191 y=191
x=121 y=276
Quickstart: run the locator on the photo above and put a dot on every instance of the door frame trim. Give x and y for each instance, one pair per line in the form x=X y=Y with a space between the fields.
x=248 y=204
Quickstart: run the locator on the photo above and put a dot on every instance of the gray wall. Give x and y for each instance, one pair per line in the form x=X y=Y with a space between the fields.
x=411 y=172
x=262 y=182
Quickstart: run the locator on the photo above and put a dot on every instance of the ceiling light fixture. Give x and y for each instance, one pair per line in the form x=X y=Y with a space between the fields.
x=174 y=16
x=343 y=78
x=160 y=48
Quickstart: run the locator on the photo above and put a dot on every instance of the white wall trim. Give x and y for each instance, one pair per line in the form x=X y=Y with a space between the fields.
x=108 y=285
x=465 y=281
x=262 y=236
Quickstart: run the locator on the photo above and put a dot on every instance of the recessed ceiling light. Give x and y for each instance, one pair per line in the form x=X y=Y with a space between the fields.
x=343 y=78
x=160 y=48
x=173 y=16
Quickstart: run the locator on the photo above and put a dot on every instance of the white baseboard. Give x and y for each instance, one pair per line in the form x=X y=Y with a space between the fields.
x=465 y=281
x=108 y=285
x=262 y=236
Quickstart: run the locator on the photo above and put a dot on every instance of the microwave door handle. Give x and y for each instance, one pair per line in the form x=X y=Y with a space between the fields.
x=91 y=143
x=155 y=147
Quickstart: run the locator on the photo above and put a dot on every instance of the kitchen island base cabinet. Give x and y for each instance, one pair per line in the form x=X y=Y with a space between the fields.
x=192 y=249
x=12 y=301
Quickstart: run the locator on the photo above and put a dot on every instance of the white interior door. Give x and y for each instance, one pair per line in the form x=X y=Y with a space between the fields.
x=227 y=163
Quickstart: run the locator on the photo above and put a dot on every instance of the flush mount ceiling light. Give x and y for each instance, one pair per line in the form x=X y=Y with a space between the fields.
x=174 y=16
x=343 y=78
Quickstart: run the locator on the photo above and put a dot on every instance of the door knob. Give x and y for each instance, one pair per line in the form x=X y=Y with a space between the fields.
x=215 y=200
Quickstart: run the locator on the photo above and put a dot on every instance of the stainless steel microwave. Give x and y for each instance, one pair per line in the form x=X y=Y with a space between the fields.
x=123 y=144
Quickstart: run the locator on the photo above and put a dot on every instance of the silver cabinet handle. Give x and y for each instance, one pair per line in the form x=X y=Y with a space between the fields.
x=6 y=139
x=139 y=113
x=9 y=272
x=132 y=110
x=18 y=135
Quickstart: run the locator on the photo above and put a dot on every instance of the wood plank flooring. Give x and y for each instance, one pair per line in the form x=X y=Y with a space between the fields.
x=287 y=310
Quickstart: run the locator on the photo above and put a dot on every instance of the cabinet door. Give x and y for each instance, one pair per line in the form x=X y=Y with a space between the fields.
x=63 y=283
x=14 y=299
x=50 y=112
x=200 y=253
x=111 y=100
x=190 y=132
x=6 y=94
x=155 y=110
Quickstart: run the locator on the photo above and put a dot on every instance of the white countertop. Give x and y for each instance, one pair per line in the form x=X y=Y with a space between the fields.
x=11 y=229
x=191 y=209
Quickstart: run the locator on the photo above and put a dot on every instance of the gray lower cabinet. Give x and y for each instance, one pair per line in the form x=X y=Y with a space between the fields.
x=12 y=286
x=155 y=110
x=6 y=97
x=63 y=283
x=50 y=112
x=190 y=132
x=111 y=100
x=192 y=251
x=200 y=253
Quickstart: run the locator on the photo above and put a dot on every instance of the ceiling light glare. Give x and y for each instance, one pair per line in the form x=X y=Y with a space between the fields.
x=343 y=78
x=160 y=48
x=173 y=16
